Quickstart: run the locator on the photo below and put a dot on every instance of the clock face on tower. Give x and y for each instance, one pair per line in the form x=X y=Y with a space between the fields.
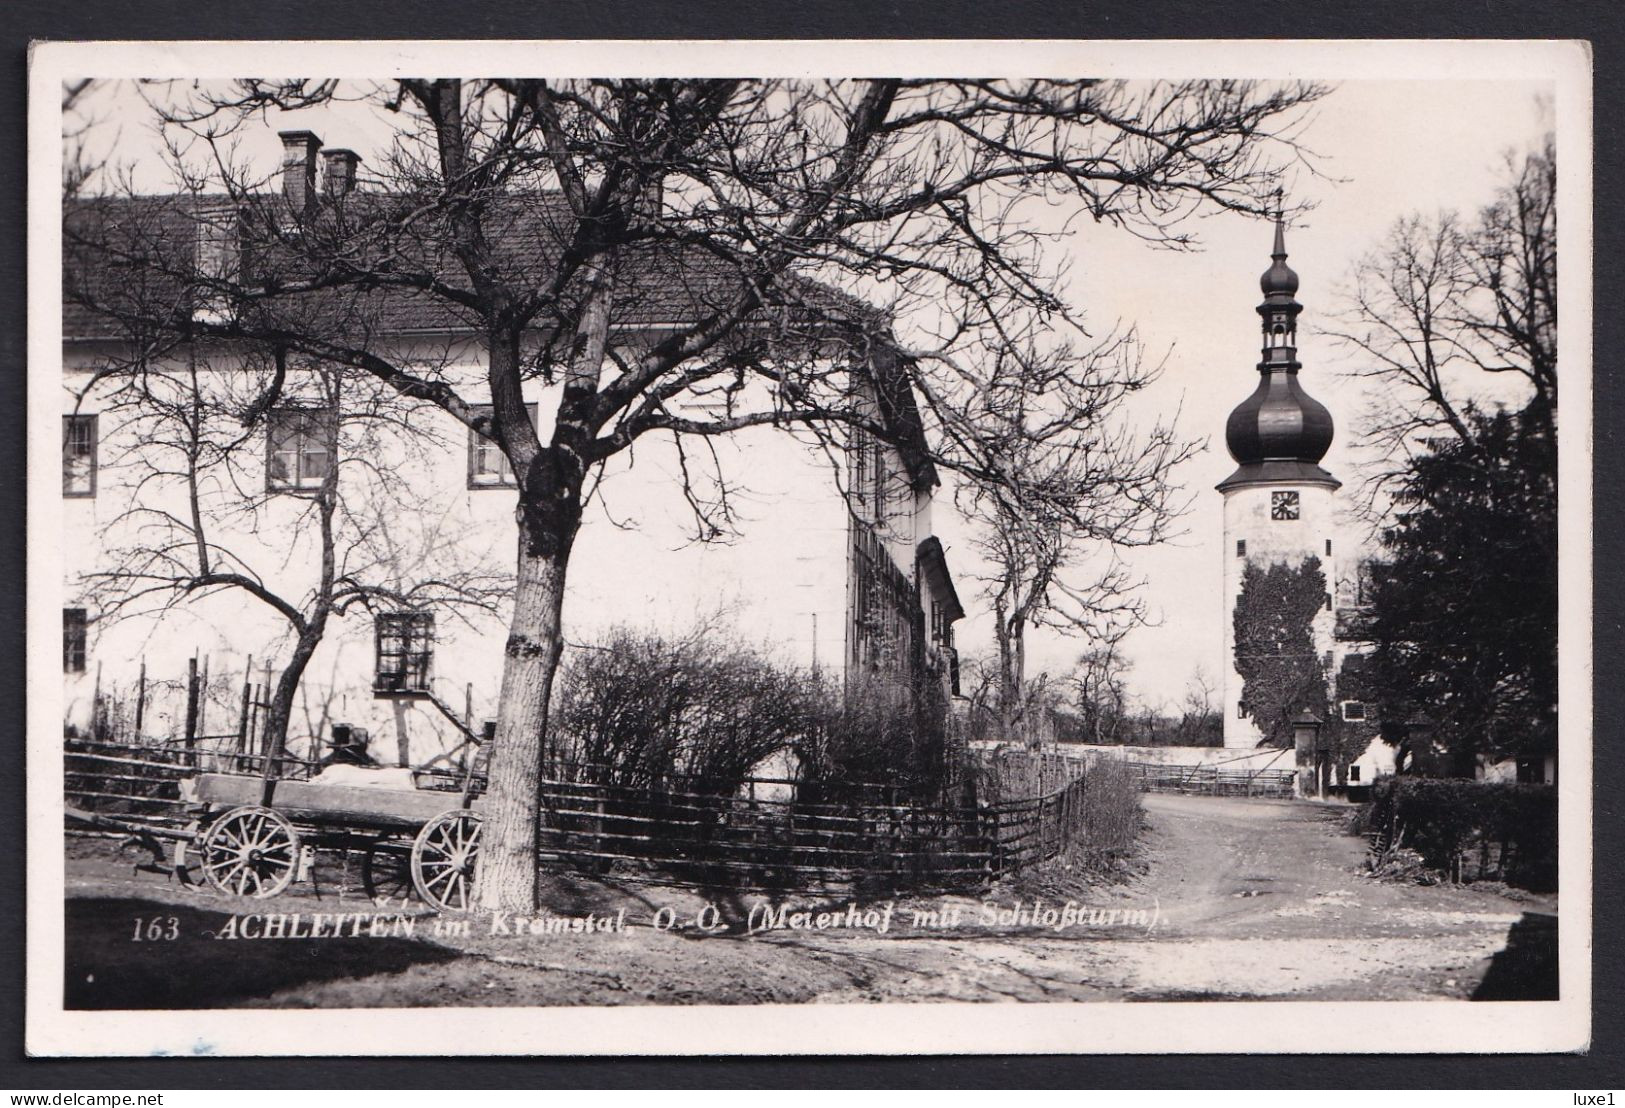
x=1283 y=505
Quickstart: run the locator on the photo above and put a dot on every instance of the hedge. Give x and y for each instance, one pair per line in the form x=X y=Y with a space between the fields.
x=1473 y=830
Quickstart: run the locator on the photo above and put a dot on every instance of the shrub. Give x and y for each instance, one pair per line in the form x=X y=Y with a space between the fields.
x=643 y=708
x=1469 y=830
x=1112 y=815
x=879 y=732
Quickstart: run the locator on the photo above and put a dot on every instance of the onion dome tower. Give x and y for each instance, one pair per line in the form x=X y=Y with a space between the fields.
x=1279 y=503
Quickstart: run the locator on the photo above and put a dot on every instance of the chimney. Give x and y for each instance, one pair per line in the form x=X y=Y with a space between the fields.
x=340 y=167
x=299 y=169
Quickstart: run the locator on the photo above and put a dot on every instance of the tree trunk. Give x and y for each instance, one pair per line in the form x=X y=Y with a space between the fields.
x=507 y=874
x=280 y=711
x=1012 y=678
x=550 y=483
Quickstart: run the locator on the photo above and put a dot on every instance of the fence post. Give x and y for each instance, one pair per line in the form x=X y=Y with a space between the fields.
x=191 y=703
x=242 y=716
x=203 y=696
x=140 y=700
x=98 y=714
x=245 y=725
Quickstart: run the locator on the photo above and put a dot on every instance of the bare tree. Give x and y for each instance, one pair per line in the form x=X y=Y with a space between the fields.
x=1199 y=720
x=1075 y=485
x=321 y=534
x=1100 y=691
x=1445 y=301
x=1456 y=319
x=767 y=209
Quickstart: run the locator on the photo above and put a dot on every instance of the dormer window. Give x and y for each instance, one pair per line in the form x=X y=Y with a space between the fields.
x=219 y=258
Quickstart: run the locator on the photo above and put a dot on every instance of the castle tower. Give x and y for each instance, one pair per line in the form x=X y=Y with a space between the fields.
x=1278 y=504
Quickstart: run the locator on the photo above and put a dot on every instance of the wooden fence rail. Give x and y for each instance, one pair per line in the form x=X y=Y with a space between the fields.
x=870 y=839
x=1211 y=780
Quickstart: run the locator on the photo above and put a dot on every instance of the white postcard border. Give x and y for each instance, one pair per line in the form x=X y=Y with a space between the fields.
x=1239 y=1026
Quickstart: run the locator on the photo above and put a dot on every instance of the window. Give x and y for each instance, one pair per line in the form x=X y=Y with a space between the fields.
x=79 y=455
x=301 y=448
x=488 y=466
x=1353 y=711
x=1328 y=548
x=1354 y=775
x=1241 y=548
x=73 y=640
x=1328 y=602
x=881 y=478
x=405 y=648
x=859 y=478
x=1241 y=709
x=868 y=477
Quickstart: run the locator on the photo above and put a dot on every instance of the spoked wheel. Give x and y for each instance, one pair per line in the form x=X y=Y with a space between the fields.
x=386 y=872
x=250 y=851
x=444 y=857
x=183 y=856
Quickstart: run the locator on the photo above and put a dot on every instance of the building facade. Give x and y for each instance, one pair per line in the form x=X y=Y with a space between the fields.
x=831 y=564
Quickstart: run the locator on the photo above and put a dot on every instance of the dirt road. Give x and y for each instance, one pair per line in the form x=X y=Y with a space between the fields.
x=1237 y=898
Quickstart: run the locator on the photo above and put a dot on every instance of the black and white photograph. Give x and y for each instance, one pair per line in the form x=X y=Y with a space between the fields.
x=1027 y=554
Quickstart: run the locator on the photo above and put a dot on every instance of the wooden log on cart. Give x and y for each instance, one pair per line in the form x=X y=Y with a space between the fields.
x=315 y=802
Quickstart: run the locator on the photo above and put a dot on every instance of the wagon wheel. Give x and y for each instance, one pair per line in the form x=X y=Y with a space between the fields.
x=250 y=851
x=386 y=872
x=444 y=857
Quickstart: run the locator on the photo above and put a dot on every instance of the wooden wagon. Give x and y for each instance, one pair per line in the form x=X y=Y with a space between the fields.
x=254 y=835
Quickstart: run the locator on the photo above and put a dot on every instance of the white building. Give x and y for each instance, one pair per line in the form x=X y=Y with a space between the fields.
x=835 y=566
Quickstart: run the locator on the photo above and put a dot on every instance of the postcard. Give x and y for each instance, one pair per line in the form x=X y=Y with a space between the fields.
x=809 y=547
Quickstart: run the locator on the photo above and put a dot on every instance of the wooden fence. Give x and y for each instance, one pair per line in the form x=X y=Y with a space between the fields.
x=732 y=839
x=759 y=836
x=187 y=707
x=140 y=783
x=1209 y=780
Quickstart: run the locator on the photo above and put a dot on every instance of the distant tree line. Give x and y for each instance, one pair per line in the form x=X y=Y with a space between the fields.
x=1090 y=704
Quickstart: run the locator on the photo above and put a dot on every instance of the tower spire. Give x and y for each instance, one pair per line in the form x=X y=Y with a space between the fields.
x=1279 y=283
x=1280 y=431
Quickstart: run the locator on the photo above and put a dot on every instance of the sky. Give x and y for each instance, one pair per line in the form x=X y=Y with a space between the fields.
x=1386 y=149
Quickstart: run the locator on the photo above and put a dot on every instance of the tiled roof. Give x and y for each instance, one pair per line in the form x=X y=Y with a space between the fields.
x=117 y=254
x=140 y=240
x=128 y=258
